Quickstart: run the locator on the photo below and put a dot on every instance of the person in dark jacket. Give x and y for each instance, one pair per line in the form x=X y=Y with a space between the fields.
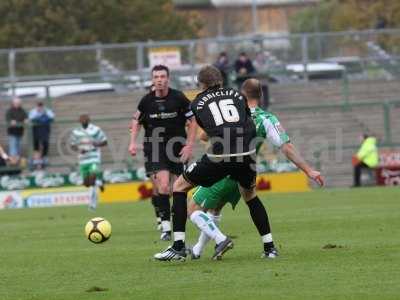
x=15 y=117
x=41 y=118
x=244 y=69
x=222 y=64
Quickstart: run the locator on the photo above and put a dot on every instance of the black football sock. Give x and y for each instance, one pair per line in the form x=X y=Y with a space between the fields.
x=164 y=209
x=165 y=212
x=260 y=219
x=155 y=205
x=179 y=215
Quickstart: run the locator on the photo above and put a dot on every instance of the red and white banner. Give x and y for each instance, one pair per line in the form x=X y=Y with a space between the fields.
x=11 y=200
x=167 y=56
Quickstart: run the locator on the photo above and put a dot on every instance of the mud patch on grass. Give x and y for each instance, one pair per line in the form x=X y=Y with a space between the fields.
x=332 y=246
x=96 y=289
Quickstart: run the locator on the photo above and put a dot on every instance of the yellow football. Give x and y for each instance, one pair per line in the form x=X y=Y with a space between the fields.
x=98 y=230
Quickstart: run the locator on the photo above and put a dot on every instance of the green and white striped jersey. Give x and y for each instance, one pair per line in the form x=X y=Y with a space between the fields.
x=83 y=139
x=268 y=127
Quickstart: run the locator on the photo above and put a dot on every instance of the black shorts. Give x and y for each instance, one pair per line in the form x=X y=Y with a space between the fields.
x=159 y=158
x=206 y=171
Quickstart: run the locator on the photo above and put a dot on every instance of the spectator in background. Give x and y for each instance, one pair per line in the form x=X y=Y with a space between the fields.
x=244 y=69
x=13 y=166
x=366 y=158
x=3 y=154
x=3 y=159
x=15 y=117
x=261 y=67
x=260 y=62
x=36 y=163
x=222 y=64
x=41 y=118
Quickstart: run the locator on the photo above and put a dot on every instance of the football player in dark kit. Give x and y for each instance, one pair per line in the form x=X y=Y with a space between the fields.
x=225 y=117
x=164 y=113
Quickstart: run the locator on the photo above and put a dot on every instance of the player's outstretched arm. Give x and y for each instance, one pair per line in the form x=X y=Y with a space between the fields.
x=187 y=151
x=100 y=144
x=135 y=129
x=291 y=153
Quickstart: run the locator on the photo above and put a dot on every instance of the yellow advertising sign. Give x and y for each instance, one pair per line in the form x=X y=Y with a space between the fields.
x=126 y=192
x=288 y=182
x=268 y=182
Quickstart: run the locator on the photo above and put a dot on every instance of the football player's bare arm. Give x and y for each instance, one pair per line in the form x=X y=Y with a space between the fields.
x=187 y=151
x=291 y=153
x=135 y=129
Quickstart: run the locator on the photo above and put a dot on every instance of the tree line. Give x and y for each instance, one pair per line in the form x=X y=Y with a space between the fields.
x=33 y=23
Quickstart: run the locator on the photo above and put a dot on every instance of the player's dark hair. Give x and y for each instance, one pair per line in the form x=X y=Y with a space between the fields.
x=210 y=76
x=252 y=89
x=84 y=116
x=160 y=68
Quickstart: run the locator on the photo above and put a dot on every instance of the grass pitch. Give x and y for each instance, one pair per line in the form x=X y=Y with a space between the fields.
x=334 y=244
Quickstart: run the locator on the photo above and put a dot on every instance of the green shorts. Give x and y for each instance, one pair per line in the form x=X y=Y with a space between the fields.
x=225 y=190
x=89 y=169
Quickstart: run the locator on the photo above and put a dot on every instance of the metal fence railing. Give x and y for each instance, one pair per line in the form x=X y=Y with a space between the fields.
x=367 y=53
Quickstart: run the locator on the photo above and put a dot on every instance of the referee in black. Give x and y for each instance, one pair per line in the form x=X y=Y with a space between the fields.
x=169 y=137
